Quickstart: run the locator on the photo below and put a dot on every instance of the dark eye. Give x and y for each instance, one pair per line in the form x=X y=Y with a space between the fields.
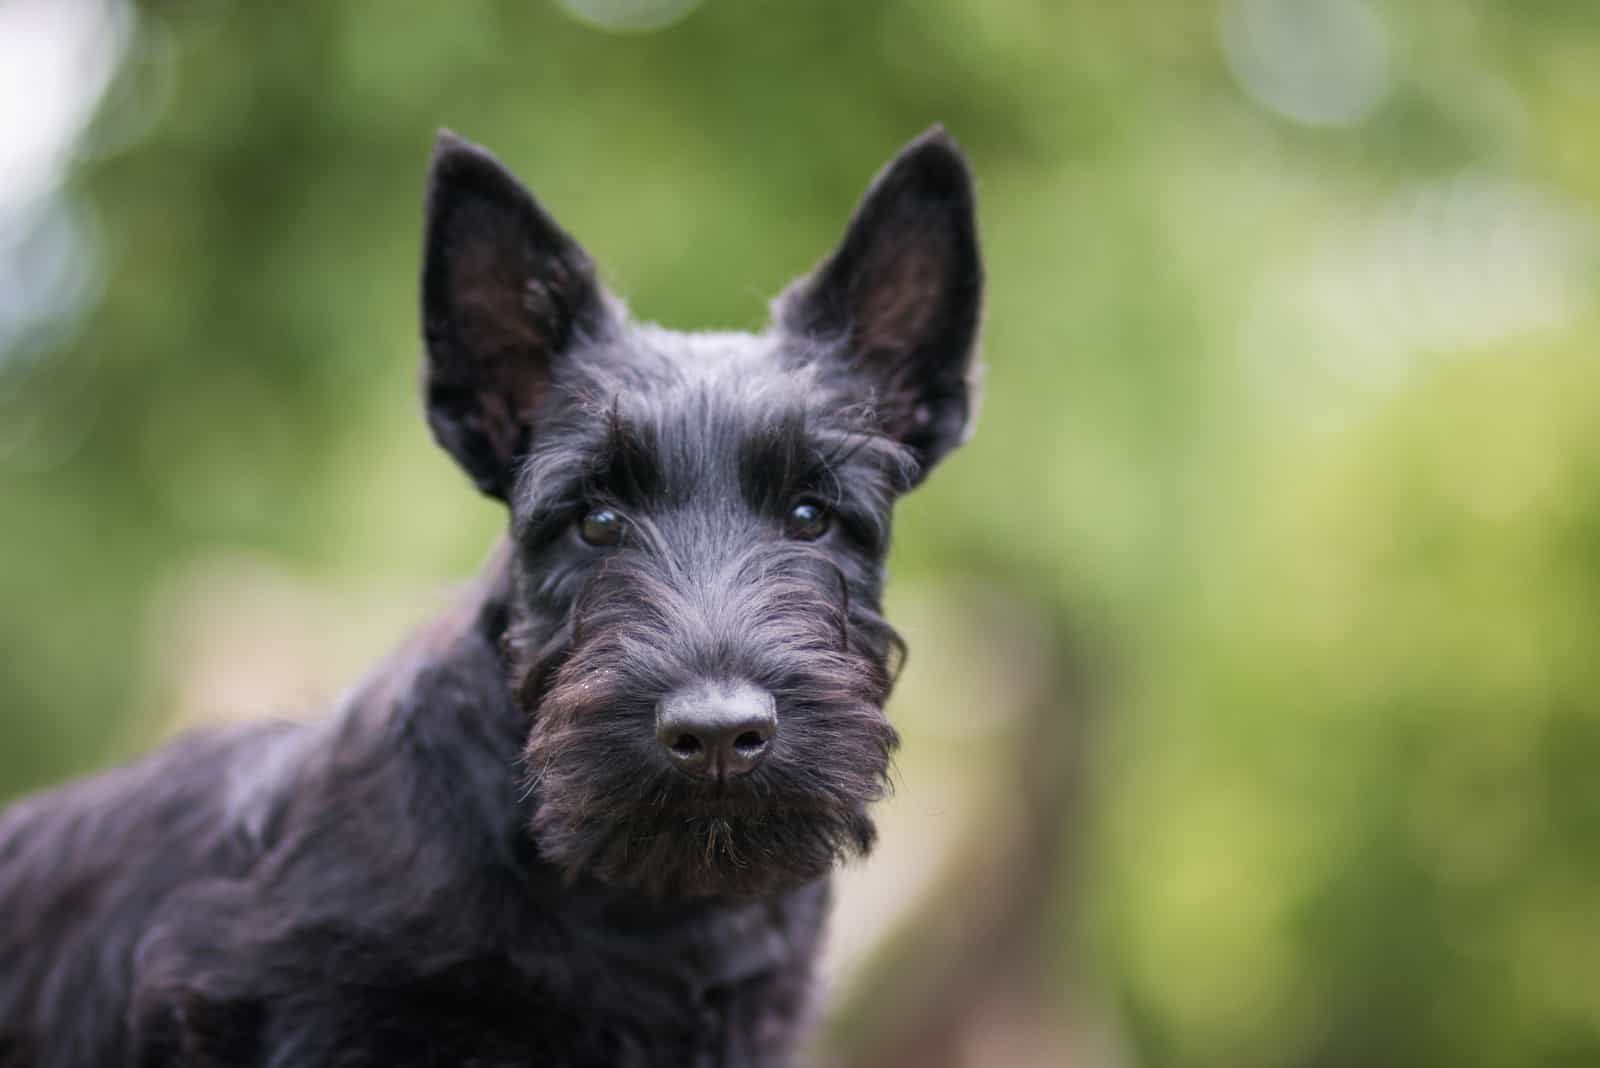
x=807 y=521
x=600 y=527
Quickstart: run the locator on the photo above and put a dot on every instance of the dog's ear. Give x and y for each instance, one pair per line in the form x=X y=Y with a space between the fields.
x=505 y=294
x=899 y=299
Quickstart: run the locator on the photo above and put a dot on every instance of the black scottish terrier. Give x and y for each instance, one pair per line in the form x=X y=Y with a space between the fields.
x=589 y=817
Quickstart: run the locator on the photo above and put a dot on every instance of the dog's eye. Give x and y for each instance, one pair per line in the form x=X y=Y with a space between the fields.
x=808 y=521
x=600 y=527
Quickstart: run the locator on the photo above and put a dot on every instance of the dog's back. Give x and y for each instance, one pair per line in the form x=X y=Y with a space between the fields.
x=135 y=902
x=82 y=869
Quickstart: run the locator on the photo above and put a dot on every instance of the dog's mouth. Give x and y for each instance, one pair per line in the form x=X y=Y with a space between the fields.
x=714 y=848
x=597 y=812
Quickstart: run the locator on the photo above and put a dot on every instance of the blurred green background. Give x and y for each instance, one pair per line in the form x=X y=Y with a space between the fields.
x=1251 y=712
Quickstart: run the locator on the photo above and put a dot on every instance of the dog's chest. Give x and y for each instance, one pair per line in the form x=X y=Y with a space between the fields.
x=718 y=985
x=725 y=987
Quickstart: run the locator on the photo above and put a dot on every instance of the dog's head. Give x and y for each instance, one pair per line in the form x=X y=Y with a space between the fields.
x=700 y=520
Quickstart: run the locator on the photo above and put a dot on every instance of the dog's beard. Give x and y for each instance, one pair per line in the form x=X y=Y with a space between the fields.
x=605 y=803
x=678 y=846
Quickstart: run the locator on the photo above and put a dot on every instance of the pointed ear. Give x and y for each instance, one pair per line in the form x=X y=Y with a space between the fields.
x=902 y=295
x=505 y=295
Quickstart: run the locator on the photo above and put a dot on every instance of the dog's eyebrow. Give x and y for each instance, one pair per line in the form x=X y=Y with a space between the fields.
x=797 y=453
x=778 y=459
x=626 y=465
x=592 y=455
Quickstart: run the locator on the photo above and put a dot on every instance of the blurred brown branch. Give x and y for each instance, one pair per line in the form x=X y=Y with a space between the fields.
x=975 y=975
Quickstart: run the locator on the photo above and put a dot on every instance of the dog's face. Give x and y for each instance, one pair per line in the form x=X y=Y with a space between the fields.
x=700 y=521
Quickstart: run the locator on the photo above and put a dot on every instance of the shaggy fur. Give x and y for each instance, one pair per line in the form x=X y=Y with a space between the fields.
x=486 y=856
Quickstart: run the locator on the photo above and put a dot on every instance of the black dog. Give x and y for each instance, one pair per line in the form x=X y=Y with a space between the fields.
x=588 y=818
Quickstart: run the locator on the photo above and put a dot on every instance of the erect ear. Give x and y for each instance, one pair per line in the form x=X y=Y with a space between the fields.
x=902 y=295
x=505 y=295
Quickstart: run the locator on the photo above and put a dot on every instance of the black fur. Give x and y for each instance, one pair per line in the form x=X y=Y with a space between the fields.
x=485 y=857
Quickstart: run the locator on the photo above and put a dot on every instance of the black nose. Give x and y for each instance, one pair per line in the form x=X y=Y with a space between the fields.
x=717 y=731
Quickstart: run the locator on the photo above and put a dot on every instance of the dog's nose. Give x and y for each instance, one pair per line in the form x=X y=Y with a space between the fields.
x=717 y=731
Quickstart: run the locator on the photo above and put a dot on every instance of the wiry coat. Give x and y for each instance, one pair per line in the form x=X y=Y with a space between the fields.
x=363 y=890
x=484 y=857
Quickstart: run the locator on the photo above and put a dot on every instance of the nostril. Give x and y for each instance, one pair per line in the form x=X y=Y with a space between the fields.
x=716 y=731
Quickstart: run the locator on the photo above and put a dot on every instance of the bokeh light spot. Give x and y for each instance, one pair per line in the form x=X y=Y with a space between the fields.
x=1316 y=62
x=629 y=16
